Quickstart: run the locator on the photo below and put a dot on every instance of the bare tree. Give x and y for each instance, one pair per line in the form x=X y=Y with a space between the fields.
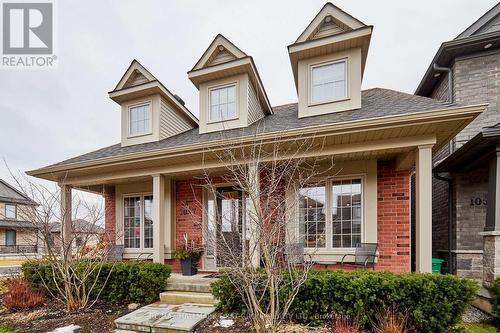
x=75 y=257
x=264 y=255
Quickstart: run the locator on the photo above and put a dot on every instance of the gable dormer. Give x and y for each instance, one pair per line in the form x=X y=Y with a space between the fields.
x=149 y=111
x=328 y=61
x=231 y=92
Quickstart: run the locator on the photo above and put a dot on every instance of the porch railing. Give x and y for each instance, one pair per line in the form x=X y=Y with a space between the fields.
x=17 y=249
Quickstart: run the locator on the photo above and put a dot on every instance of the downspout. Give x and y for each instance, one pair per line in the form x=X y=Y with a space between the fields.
x=450 y=215
x=450 y=80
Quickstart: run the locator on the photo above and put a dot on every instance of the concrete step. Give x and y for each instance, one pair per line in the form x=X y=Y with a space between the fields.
x=189 y=286
x=180 y=297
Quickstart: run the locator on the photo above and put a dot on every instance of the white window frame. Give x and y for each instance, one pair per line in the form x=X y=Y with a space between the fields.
x=15 y=211
x=236 y=101
x=129 y=118
x=141 y=247
x=346 y=81
x=329 y=249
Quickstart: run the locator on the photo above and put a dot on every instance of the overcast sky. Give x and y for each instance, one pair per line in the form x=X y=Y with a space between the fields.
x=51 y=115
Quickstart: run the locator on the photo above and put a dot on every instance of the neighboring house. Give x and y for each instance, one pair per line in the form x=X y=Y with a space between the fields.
x=84 y=233
x=376 y=136
x=470 y=159
x=18 y=234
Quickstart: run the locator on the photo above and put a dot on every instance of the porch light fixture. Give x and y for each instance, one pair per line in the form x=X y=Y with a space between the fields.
x=437 y=74
x=487 y=46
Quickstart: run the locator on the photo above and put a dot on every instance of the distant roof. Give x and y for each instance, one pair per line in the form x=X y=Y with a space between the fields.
x=475 y=152
x=484 y=31
x=79 y=226
x=8 y=193
x=376 y=103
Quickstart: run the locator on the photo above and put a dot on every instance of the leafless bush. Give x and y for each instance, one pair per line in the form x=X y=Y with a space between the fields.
x=265 y=253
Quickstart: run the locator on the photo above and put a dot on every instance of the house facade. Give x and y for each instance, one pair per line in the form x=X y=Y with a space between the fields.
x=18 y=234
x=465 y=70
x=151 y=179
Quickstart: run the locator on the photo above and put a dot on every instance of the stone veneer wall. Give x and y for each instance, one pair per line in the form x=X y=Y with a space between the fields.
x=470 y=195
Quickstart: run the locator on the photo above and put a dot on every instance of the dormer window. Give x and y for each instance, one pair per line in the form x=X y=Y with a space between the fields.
x=139 y=119
x=328 y=82
x=222 y=105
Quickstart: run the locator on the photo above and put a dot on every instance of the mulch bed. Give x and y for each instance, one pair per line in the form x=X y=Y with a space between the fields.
x=51 y=315
x=243 y=325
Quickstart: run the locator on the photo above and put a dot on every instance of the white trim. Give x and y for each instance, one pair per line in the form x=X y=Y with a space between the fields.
x=139 y=104
x=236 y=85
x=345 y=60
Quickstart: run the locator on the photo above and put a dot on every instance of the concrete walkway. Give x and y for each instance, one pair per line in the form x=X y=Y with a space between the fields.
x=164 y=318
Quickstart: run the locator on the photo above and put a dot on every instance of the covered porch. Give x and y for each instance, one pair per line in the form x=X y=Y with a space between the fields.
x=377 y=171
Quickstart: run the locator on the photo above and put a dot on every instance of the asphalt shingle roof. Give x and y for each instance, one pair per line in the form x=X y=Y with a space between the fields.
x=376 y=102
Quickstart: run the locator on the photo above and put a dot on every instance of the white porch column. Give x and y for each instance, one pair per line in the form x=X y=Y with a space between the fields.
x=159 y=218
x=423 y=208
x=66 y=216
x=253 y=211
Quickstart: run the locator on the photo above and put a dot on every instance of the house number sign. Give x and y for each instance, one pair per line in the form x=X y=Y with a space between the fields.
x=478 y=202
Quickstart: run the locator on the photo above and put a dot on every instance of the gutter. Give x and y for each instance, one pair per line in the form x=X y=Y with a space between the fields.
x=450 y=80
x=450 y=215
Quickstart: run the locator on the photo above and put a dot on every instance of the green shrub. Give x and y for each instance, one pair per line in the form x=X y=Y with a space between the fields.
x=139 y=282
x=433 y=302
x=495 y=313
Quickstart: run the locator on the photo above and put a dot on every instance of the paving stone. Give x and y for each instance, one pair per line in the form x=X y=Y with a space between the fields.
x=142 y=319
x=164 y=318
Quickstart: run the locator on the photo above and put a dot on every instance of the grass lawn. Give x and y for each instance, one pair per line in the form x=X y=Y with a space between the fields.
x=11 y=263
x=6 y=328
x=476 y=328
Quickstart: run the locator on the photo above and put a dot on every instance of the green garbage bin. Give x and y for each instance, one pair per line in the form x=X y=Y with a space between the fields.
x=436 y=265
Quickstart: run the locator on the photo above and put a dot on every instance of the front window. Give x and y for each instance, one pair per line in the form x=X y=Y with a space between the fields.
x=139 y=118
x=10 y=237
x=222 y=104
x=138 y=222
x=10 y=211
x=312 y=210
x=330 y=214
x=328 y=82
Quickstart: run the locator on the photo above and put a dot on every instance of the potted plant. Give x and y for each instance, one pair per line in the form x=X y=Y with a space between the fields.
x=189 y=256
x=189 y=260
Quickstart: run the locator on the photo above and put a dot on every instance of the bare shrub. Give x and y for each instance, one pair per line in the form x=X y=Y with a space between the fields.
x=391 y=321
x=21 y=296
x=345 y=324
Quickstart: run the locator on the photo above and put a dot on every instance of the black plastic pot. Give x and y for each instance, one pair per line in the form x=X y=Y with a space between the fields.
x=189 y=266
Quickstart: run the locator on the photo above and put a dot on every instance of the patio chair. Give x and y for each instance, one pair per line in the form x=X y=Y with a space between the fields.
x=364 y=255
x=114 y=252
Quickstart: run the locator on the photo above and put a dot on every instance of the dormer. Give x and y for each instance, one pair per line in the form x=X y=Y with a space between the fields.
x=328 y=61
x=149 y=111
x=231 y=92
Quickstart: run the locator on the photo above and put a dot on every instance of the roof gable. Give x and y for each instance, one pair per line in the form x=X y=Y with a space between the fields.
x=135 y=75
x=221 y=50
x=489 y=22
x=330 y=21
x=9 y=193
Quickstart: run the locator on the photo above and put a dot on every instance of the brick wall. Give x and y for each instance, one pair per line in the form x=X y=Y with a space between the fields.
x=110 y=214
x=188 y=216
x=477 y=81
x=471 y=192
x=393 y=195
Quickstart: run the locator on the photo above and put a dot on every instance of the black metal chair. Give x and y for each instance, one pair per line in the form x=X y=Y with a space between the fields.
x=364 y=255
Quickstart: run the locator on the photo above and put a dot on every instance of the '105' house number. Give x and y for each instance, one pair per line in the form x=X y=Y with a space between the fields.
x=478 y=202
